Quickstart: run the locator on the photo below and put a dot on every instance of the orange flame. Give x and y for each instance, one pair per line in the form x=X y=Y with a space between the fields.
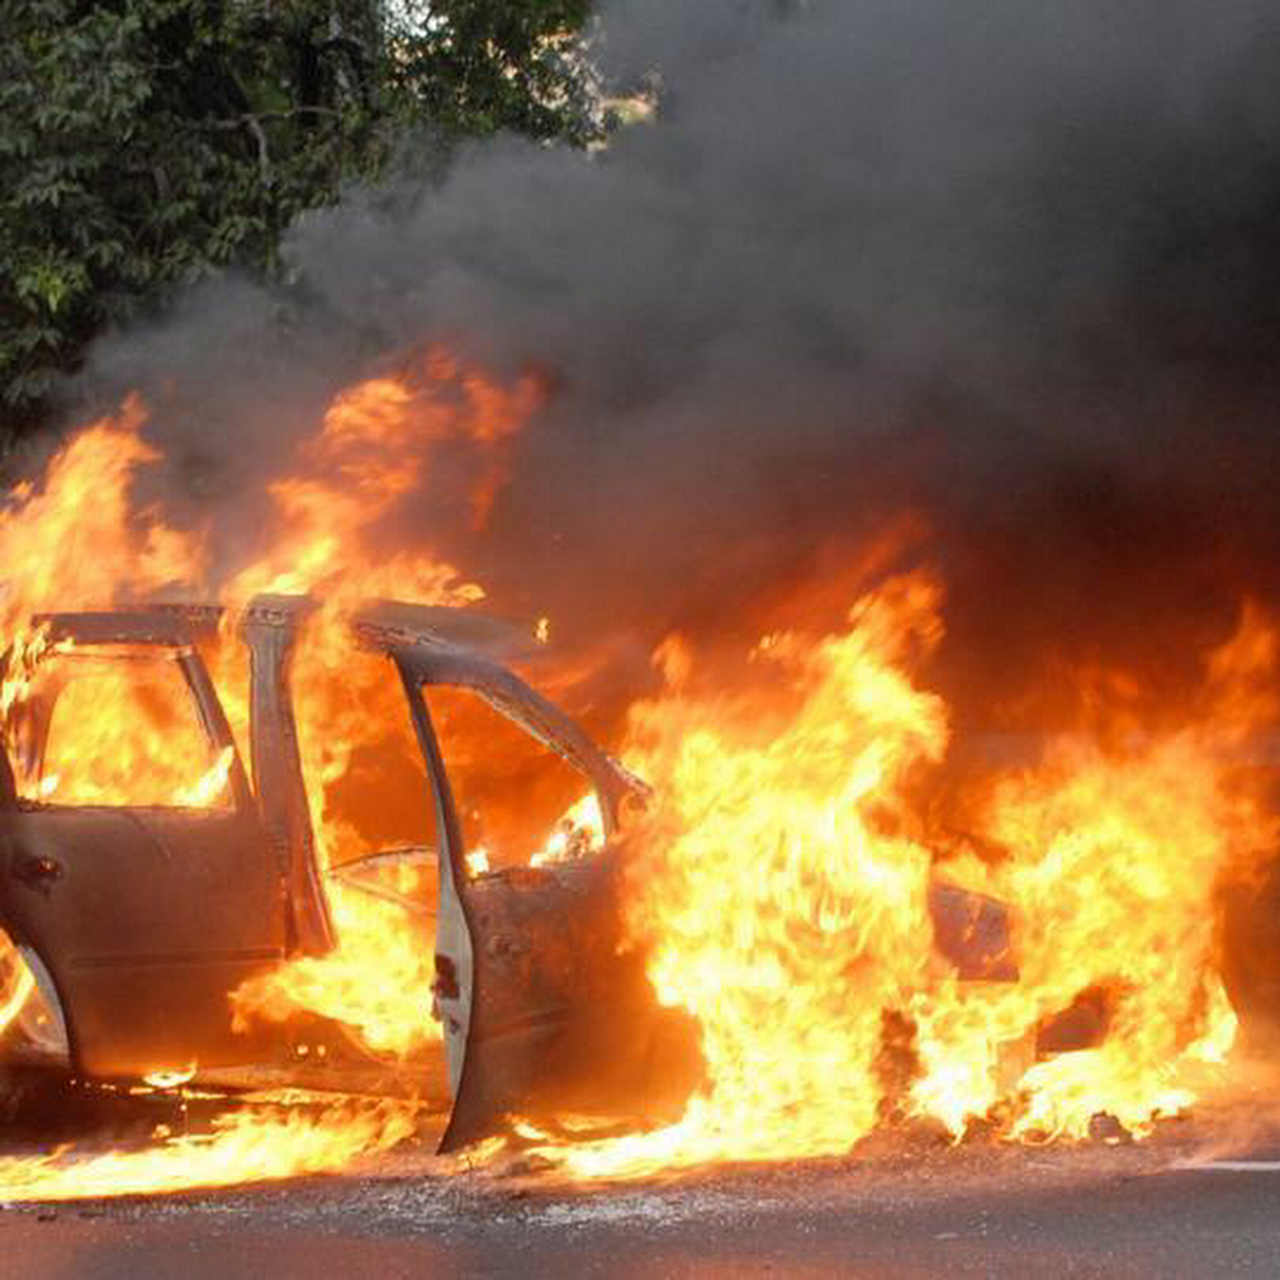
x=376 y=443
x=77 y=541
x=782 y=888
x=244 y=1147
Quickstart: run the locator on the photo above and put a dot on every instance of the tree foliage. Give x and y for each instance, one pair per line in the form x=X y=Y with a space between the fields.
x=144 y=143
x=502 y=64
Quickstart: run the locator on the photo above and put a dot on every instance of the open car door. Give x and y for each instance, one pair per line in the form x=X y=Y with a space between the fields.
x=544 y=1011
x=132 y=860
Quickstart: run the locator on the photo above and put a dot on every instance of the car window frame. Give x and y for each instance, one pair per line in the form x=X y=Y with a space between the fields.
x=139 y=654
x=172 y=630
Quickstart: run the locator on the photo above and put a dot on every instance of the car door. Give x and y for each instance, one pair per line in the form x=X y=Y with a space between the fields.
x=545 y=1012
x=132 y=859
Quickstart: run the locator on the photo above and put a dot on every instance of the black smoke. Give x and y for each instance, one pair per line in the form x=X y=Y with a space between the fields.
x=1015 y=266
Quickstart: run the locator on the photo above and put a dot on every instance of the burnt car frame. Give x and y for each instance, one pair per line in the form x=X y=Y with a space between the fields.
x=139 y=922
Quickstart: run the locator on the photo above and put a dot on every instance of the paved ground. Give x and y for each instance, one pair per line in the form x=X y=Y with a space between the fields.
x=910 y=1208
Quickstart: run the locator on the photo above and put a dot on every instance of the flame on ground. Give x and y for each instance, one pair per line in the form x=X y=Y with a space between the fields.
x=244 y=1147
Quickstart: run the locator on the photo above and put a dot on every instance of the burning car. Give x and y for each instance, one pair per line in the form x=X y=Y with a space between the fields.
x=140 y=921
x=148 y=883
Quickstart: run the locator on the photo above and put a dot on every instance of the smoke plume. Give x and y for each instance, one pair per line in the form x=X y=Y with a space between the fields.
x=1010 y=267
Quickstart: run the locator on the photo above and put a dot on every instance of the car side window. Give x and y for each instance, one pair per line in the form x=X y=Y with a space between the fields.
x=518 y=801
x=367 y=787
x=115 y=728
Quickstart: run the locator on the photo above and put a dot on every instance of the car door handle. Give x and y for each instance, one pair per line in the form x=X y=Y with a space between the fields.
x=35 y=871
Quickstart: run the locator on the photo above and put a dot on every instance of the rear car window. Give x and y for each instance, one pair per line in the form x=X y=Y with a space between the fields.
x=117 y=729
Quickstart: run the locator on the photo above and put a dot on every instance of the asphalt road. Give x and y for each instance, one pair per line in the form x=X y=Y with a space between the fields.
x=905 y=1209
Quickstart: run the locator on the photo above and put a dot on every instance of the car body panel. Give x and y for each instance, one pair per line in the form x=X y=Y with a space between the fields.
x=143 y=917
x=145 y=921
x=269 y=628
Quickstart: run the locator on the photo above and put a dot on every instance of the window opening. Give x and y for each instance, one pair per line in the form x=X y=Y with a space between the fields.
x=115 y=728
x=519 y=802
x=371 y=806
